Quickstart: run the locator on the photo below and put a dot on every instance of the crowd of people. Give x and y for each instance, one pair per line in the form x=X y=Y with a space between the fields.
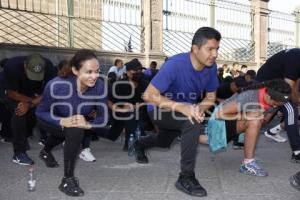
x=74 y=102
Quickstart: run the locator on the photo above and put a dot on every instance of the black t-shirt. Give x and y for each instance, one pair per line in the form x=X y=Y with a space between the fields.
x=284 y=64
x=125 y=92
x=15 y=77
x=224 y=91
x=2 y=88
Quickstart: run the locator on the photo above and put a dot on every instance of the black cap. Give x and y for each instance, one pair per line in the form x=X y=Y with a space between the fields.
x=134 y=64
x=278 y=96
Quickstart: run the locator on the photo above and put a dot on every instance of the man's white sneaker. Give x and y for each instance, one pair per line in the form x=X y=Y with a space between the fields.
x=86 y=155
x=275 y=136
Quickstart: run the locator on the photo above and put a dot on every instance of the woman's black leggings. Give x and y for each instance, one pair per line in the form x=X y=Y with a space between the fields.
x=71 y=136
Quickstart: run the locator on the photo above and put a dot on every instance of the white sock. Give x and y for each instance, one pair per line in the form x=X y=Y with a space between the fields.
x=276 y=129
x=296 y=152
x=246 y=161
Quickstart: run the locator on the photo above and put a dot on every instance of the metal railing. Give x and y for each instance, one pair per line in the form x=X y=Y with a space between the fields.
x=282 y=32
x=180 y=21
x=116 y=25
x=121 y=25
x=235 y=22
x=182 y=18
x=113 y=25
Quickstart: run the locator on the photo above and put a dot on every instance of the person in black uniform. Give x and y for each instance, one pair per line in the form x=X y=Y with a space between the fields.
x=286 y=65
x=24 y=78
x=124 y=98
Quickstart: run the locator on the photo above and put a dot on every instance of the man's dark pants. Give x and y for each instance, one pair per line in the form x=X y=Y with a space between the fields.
x=21 y=126
x=290 y=113
x=172 y=124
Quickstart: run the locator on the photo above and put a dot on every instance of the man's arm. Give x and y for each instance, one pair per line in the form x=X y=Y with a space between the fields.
x=294 y=87
x=16 y=96
x=152 y=95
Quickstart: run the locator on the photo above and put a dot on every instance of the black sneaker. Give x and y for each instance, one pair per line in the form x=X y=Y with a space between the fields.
x=295 y=158
x=140 y=155
x=48 y=158
x=22 y=159
x=295 y=181
x=70 y=186
x=237 y=145
x=42 y=142
x=188 y=184
x=5 y=140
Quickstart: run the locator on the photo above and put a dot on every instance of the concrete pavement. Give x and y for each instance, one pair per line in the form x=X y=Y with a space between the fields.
x=116 y=177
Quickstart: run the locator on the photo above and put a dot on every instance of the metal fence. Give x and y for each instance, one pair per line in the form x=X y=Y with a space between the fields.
x=113 y=25
x=116 y=25
x=282 y=32
x=121 y=25
x=234 y=20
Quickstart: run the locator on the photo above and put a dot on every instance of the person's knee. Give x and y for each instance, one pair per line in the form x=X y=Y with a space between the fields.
x=254 y=124
x=190 y=127
x=74 y=133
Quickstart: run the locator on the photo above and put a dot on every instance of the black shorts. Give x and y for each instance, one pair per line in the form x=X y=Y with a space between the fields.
x=230 y=129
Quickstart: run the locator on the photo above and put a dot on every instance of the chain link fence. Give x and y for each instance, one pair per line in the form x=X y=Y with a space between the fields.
x=182 y=18
x=116 y=25
x=282 y=32
x=113 y=25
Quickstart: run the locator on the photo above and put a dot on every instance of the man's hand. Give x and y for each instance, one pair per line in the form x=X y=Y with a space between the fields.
x=193 y=112
x=22 y=108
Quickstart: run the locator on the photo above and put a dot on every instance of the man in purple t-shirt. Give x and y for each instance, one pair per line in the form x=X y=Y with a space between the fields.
x=173 y=93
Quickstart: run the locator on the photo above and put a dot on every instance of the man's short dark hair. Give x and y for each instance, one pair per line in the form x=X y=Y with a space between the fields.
x=205 y=33
x=244 y=66
x=153 y=63
x=251 y=73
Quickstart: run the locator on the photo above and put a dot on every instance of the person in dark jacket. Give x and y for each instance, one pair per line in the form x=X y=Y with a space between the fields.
x=24 y=80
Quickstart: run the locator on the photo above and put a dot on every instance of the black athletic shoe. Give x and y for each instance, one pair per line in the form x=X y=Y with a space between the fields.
x=140 y=155
x=188 y=184
x=48 y=158
x=295 y=181
x=237 y=145
x=295 y=158
x=70 y=186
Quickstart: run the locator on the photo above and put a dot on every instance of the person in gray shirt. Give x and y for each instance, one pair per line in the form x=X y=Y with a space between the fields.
x=244 y=112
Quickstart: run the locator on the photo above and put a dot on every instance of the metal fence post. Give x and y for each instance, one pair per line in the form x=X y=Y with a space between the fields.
x=70 y=19
x=297 y=21
x=212 y=15
x=57 y=21
x=261 y=14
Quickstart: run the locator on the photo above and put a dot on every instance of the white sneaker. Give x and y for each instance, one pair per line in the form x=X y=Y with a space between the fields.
x=86 y=155
x=275 y=136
